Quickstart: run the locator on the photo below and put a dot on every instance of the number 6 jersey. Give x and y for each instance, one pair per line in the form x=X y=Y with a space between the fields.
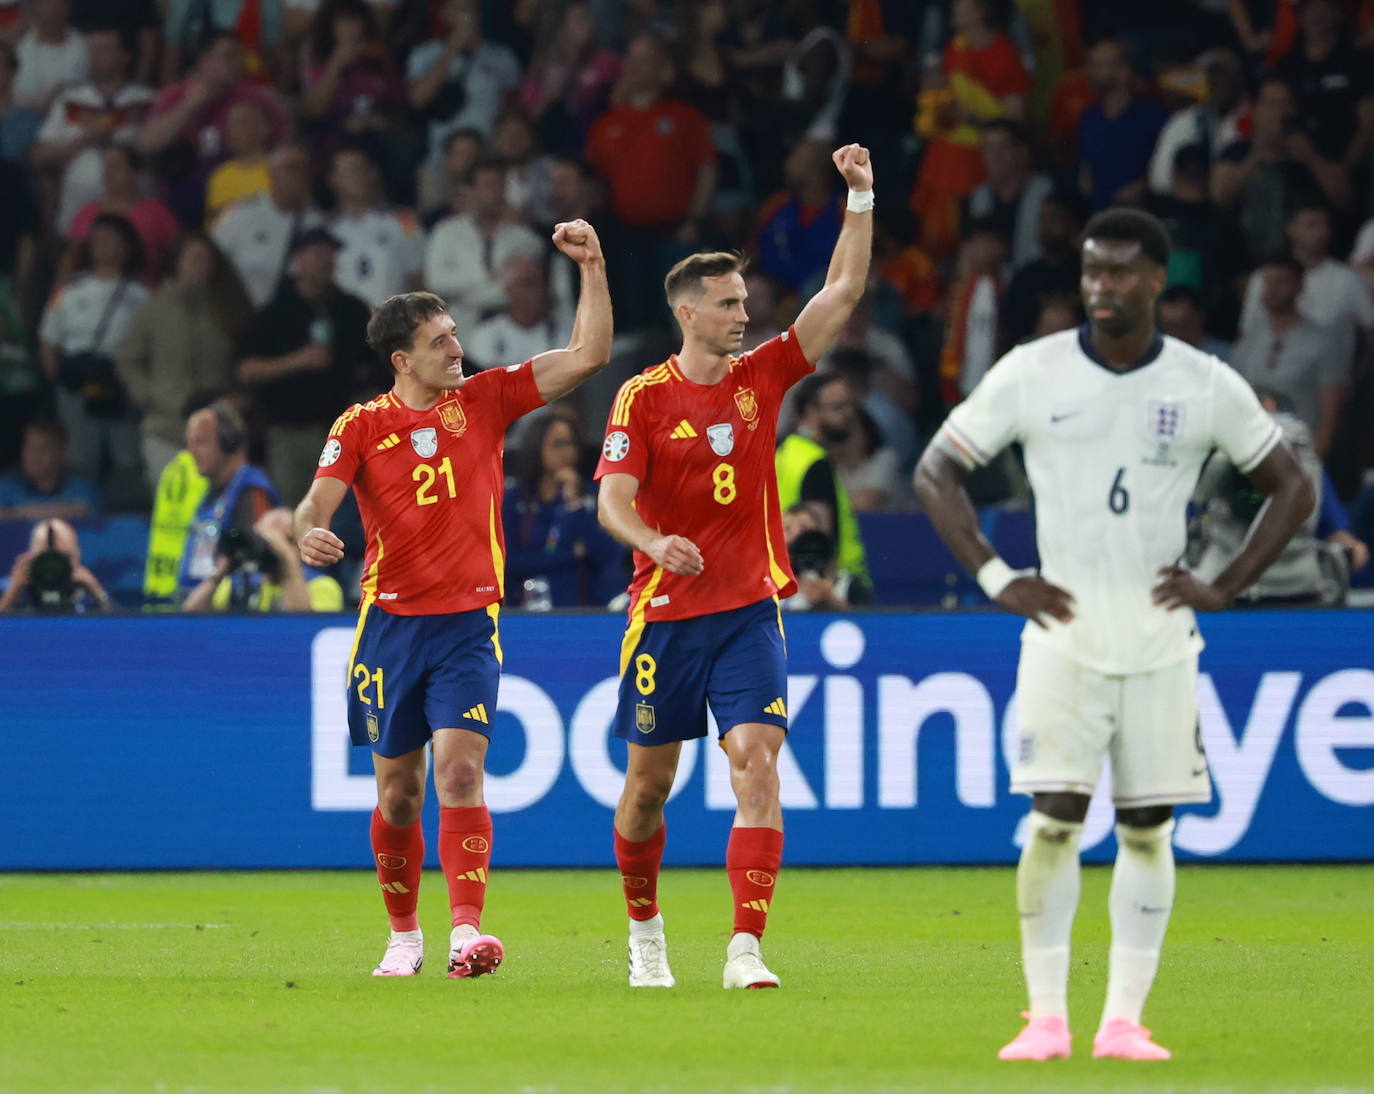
x=703 y=455
x=1113 y=458
x=429 y=485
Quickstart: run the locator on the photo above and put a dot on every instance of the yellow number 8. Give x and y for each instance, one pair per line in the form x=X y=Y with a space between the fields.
x=645 y=667
x=724 y=478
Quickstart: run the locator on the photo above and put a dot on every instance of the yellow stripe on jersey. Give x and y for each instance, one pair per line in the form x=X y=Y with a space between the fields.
x=775 y=570
x=370 y=581
x=357 y=635
x=620 y=412
x=636 y=627
x=782 y=631
x=498 y=557
x=494 y=610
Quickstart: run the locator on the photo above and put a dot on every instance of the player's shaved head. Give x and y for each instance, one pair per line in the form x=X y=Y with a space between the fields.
x=1130 y=226
x=396 y=319
x=686 y=282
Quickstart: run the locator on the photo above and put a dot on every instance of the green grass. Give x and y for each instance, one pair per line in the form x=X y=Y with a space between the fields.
x=892 y=980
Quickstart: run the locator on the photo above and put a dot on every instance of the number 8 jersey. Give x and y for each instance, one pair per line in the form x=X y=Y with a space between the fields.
x=1112 y=458
x=703 y=455
x=429 y=485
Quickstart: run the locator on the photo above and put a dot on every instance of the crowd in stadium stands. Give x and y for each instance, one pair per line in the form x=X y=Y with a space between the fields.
x=202 y=199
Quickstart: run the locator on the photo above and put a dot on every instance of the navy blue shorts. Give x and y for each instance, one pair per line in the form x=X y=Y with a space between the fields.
x=736 y=661
x=409 y=675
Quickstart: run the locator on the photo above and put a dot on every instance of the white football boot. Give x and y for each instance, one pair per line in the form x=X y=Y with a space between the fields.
x=744 y=968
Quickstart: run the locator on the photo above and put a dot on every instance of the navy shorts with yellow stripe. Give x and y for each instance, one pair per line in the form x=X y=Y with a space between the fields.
x=410 y=675
x=735 y=661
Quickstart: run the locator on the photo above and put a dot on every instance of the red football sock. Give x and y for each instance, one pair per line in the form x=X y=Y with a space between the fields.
x=400 y=857
x=639 y=863
x=752 y=858
x=465 y=855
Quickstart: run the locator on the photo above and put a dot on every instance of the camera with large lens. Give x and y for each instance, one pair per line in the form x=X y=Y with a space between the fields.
x=50 y=581
x=811 y=552
x=247 y=551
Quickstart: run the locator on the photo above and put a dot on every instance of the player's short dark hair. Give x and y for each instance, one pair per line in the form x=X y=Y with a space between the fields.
x=396 y=319
x=1131 y=226
x=809 y=390
x=686 y=278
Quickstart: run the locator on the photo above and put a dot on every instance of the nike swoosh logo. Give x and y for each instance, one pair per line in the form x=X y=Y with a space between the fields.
x=1055 y=419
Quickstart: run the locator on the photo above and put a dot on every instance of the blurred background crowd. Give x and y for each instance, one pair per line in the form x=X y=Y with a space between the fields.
x=202 y=199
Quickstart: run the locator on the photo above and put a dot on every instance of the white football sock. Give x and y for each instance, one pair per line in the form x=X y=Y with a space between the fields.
x=643 y=928
x=1142 y=897
x=1047 y=884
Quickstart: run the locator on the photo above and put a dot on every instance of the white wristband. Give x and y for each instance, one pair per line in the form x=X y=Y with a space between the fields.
x=860 y=201
x=994 y=576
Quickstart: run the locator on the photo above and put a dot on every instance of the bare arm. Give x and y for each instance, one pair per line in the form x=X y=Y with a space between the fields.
x=1291 y=498
x=264 y=370
x=827 y=312
x=589 y=348
x=423 y=89
x=615 y=509
x=319 y=546
x=939 y=485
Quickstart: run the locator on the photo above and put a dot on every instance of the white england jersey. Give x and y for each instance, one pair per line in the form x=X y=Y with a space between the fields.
x=383 y=253
x=1112 y=459
x=256 y=235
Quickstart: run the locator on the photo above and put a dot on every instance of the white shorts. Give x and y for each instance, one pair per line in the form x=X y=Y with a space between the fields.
x=1072 y=716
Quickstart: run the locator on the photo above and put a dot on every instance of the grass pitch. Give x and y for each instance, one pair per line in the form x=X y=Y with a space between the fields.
x=893 y=980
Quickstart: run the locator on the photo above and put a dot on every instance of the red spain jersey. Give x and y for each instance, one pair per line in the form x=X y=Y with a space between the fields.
x=429 y=485
x=703 y=455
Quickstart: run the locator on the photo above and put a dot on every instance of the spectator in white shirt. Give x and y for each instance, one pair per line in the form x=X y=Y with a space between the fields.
x=465 y=253
x=526 y=326
x=1211 y=124
x=52 y=56
x=383 y=248
x=256 y=233
x=84 y=118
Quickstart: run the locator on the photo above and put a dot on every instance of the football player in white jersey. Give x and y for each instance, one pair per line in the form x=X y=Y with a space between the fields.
x=1116 y=422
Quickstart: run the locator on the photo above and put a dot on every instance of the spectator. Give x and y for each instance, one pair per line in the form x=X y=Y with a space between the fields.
x=1054 y=274
x=660 y=164
x=797 y=227
x=870 y=471
x=515 y=143
x=383 y=248
x=248 y=135
x=981 y=78
x=525 y=327
x=1305 y=364
x=460 y=81
x=122 y=195
x=137 y=22
x=196 y=110
x=257 y=233
x=1333 y=294
x=255 y=24
x=49 y=576
x=568 y=79
x=1263 y=179
x=84 y=118
x=83 y=327
x=973 y=334
x=1014 y=192
x=464 y=253
x=1183 y=315
x=1333 y=85
x=1118 y=133
x=237 y=493
x=183 y=340
x=1210 y=125
x=1206 y=253
x=262 y=571
x=303 y=357
x=806 y=473
x=21 y=396
x=763 y=297
x=18 y=124
x=355 y=93
x=878 y=390
x=556 y=553
x=443 y=189
x=51 y=56
x=44 y=487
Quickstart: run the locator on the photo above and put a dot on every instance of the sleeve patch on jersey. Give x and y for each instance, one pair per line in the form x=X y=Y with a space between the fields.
x=617 y=446
x=332 y=451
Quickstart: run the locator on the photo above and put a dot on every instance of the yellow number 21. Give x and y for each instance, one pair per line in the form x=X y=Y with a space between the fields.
x=425 y=475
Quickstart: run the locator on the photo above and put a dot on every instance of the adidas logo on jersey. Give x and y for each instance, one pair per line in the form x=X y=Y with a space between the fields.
x=778 y=707
x=478 y=714
x=684 y=430
x=389 y=442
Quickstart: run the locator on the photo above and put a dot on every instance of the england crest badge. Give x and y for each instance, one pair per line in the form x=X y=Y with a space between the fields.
x=1165 y=421
x=721 y=438
x=425 y=442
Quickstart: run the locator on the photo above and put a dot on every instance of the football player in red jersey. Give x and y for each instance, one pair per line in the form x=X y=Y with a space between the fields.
x=688 y=481
x=425 y=462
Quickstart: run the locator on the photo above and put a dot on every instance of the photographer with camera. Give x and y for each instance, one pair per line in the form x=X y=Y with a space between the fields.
x=237 y=496
x=260 y=570
x=820 y=587
x=49 y=577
